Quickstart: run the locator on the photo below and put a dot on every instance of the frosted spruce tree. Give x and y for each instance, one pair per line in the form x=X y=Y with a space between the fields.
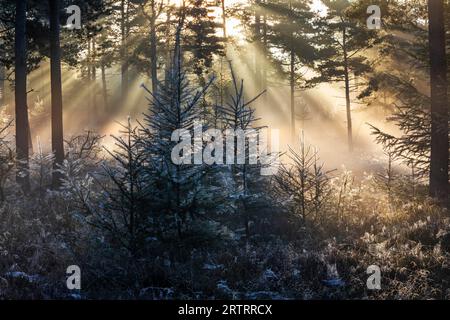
x=181 y=194
x=125 y=213
x=247 y=192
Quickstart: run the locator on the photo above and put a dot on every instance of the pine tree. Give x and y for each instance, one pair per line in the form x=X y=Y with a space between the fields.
x=41 y=164
x=152 y=10
x=126 y=215
x=178 y=190
x=387 y=178
x=290 y=29
x=106 y=60
x=200 y=36
x=26 y=43
x=303 y=186
x=439 y=154
x=56 y=89
x=97 y=37
x=238 y=115
x=22 y=126
x=411 y=114
x=412 y=107
x=343 y=40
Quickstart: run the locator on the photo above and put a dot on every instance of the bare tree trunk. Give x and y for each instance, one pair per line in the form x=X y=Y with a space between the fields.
x=168 y=47
x=56 y=90
x=258 y=73
x=292 y=87
x=22 y=130
x=224 y=19
x=88 y=60
x=89 y=73
x=30 y=139
x=244 y=202
x=124 y=49
x=93 y=81
x=2 y=85
x=104 y=88
x=347 y=93
x=264 y=76
x=439 y=103
x=153 y=53
x=292 y=81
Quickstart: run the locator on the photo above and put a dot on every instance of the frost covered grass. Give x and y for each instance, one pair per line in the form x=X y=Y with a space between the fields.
x=325 y=257
x=141 y=227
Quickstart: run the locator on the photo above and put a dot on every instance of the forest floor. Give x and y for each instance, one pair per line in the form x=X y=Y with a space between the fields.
x=360 y=226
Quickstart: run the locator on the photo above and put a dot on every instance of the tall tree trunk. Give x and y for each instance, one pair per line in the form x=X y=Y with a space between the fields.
x=22 y=130
x=244 y=203
x=292 y=81
x=153 y=53
x=56 y=91
x=258 y=73
x=168 y=47
x=93 y=81
x=124 y=49
x=439 y=103
x=30 y=139
x=264 y=76
x=347 y=93
x=89 y=73
x=292 y=87
x=2 y=85
x=224 y=19
x=104 y=89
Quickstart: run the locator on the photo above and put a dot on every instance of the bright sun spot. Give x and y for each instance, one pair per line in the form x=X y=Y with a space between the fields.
x=233 y=25
x=318 y=6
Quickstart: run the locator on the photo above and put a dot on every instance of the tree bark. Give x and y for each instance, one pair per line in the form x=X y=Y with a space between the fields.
x=88 y=62
x=292 y=87
x=292 y=82
x=265 y=53
x=439 y=103
x=153 y=53
x=347 y=93
x=224 y=19
x=124 y=50
x=2 y=85
x=22 y=126
x=93 y=81
x=56 y=90
x=258 y=73
x=104 y=88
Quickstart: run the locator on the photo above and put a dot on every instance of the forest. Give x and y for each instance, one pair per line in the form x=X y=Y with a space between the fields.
x=224 y=149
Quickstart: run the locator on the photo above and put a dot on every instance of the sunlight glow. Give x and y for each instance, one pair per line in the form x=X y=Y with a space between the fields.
x=319 y=7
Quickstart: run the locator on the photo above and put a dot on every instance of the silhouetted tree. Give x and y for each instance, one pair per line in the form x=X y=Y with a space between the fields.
x=342 y=40
x=56 y=89
x=290 y=30
x=22 y=126
x=439 y=103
